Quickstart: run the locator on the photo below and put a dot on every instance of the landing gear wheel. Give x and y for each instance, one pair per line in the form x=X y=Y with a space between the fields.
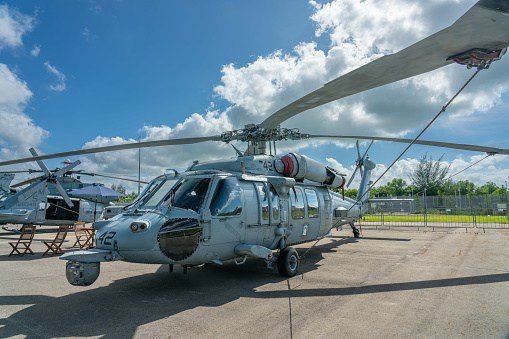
x=356 y=233
x=288 y=262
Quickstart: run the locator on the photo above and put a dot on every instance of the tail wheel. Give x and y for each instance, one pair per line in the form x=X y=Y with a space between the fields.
x=288 y=262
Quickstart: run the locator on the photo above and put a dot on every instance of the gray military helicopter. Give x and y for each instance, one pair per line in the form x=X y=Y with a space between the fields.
x=30 y=205
x=45 y=201
x=258 y=204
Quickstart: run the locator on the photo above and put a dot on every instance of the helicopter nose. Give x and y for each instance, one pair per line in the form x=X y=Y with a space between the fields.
x=178 y=238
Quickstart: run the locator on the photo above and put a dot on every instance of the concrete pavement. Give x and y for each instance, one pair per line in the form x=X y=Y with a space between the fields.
x=388 y=284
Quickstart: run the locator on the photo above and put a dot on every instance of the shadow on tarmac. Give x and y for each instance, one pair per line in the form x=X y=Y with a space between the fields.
x=118 y=309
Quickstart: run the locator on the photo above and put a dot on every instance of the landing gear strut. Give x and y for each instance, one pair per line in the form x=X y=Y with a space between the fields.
x=356 y=233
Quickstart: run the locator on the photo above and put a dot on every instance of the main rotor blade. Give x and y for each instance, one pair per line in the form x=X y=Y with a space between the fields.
x=181 y=141
x=483 y=26
x=467 y=147
x=66 y=168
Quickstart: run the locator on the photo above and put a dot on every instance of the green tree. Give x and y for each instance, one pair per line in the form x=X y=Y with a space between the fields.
x=397 y=187
x=351 y=193
x=429 y=175
x=487 y=188
x=121 y=189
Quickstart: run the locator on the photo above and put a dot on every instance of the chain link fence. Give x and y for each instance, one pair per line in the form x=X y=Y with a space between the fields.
x=480 y=211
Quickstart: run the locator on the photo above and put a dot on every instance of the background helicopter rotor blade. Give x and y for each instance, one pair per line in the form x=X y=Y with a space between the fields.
x=29 y=181
x=483 y=26
x=25 y=171
x=39 y=162
x=112 y=177
x=467 y=147
x=63 y=193
x=180 y=141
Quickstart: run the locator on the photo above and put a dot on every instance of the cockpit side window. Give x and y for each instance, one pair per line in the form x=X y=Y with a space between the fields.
x=264 y=200
x=274 y=203
x=297 y=201
x=188 y=194
x=313 y=206
x=226 y=201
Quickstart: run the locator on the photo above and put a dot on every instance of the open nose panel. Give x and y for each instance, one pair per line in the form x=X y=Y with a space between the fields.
x=179 y=238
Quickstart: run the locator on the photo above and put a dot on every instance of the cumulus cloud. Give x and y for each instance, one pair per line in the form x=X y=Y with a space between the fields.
x=13 y=25
x=359 y=32
x=60 y=77
x=17 y=131
x=484 y=169
x=157 y=159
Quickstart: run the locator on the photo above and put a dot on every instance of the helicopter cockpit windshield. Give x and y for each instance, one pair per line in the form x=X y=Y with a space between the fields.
x=154 y=184
x=158 y=192
x=188 y=194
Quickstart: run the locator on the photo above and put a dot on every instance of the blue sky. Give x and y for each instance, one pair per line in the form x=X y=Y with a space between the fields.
x=90 y=73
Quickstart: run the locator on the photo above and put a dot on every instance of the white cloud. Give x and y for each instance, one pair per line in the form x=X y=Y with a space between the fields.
x=13 y=25
x=492 y=168
x=35 y=51
x=17 y=131
x=155 y=160
x=60 y=86
x=359 y=32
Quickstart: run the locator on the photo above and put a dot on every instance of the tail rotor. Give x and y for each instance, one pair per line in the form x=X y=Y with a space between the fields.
x=360 y=162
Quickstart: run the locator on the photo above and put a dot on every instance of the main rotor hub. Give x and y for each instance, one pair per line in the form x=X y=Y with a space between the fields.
x=255 y=133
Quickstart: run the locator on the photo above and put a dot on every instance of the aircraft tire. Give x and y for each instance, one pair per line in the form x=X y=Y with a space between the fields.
x=288 y=262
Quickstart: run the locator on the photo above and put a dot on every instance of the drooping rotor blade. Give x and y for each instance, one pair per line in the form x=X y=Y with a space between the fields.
x=181 y=141
x=29 y=181
x=484 y=26
x=467 y=147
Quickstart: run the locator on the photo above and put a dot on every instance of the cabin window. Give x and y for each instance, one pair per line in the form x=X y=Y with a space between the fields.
x=226 y=201
x=188 y=194
x=297 y=200
x=264 y=200
x=312 y=203
x=274 y=203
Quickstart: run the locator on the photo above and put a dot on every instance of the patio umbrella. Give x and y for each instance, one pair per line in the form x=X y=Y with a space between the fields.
x=96 y=193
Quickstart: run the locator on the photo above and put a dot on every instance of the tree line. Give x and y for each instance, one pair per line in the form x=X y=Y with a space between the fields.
x=129 y=197
x=431 y=177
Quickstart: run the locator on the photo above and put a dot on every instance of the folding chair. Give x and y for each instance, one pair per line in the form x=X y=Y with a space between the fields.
x=25 y=239
x=54 y=246
x=81 y=234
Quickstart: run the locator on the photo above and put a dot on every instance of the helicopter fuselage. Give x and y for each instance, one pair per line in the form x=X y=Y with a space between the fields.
x=211 y=215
